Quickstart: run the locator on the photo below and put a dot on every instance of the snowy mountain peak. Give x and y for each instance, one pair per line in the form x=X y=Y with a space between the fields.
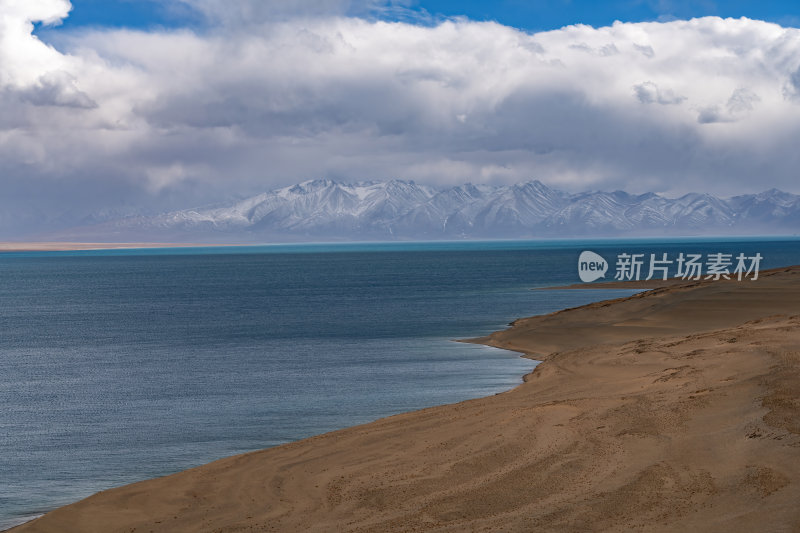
x=328 y=209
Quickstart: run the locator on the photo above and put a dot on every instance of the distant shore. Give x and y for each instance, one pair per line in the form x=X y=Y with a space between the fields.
x=36 y=246
x=71 y=246
x=671 y=410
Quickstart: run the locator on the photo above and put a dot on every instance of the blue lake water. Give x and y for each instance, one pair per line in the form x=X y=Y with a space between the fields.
x=116 y=366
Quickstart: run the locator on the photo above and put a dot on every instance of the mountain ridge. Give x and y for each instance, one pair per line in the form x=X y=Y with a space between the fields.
x=326 y=209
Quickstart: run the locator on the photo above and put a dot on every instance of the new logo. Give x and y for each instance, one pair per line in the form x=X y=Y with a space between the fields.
x=591 y=266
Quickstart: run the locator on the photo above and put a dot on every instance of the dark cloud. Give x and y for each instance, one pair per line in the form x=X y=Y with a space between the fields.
x=712 y=115
x=649 y=93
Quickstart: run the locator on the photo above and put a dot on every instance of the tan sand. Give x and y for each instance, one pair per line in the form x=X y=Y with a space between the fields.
x=673 y=410
x=71 y=246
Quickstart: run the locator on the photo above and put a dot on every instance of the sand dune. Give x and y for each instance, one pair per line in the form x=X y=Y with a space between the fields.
x=673 y=410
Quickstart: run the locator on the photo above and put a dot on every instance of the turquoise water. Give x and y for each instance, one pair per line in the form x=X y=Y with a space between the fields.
x=121 y=365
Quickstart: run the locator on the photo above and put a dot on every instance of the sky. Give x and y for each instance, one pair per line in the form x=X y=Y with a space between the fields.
x=527 y=15
x=111 y=107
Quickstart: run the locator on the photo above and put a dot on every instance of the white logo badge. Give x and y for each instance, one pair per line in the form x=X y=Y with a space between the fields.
x=591 y=266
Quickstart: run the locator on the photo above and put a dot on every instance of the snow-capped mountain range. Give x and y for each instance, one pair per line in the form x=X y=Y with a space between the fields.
x=329 y=210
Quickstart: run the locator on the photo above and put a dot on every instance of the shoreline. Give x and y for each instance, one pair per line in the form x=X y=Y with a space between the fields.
x=447 y=460
x=20 y=521
x=635 y=284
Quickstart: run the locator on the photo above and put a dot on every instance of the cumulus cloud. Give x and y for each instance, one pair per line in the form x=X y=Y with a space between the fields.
x=23 y=58
x=179 y=116
x=25 y=11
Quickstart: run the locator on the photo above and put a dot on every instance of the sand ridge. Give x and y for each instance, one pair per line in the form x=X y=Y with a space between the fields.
x=673 y=410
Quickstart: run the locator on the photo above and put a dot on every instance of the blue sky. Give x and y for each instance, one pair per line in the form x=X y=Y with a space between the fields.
x=527 y=15
x=547 y=15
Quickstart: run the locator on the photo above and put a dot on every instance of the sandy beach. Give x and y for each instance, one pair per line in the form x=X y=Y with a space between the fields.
x=672 y=410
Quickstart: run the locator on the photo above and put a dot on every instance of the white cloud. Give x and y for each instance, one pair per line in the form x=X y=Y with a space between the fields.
x=23 y=58
x=242 y=108
x=45 y=11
